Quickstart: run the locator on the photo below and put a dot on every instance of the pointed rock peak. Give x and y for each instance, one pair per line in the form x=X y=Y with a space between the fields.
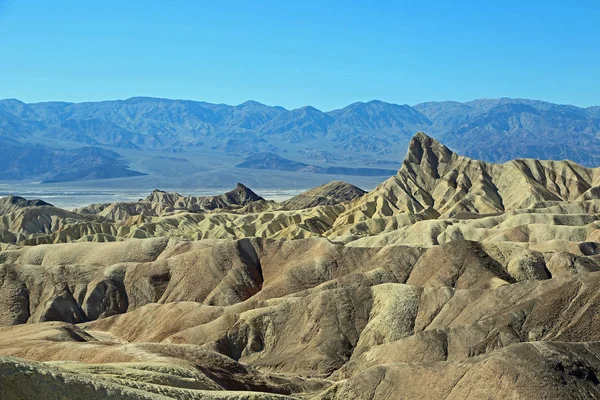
x=429 y=154
x=423 y=146
x=240 y=187
x=422 y=137
x=243 y=195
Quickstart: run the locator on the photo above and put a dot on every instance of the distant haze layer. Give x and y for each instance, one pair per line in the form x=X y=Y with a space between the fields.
x=149 y=142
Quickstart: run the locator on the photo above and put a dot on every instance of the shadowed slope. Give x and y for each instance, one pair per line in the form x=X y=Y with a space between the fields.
x=329 y=194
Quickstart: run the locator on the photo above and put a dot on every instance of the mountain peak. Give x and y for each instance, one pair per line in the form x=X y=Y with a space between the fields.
x=12 y=203
x=424 y=146
x=428 y=154
x=369 y=104
x=12 y=101
x=331 y=193
x=251 y=103
x=242 y=195
x=241 y=188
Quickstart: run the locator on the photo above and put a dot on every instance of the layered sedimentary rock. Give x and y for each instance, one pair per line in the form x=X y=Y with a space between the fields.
x=452 y=279
x=437 y=196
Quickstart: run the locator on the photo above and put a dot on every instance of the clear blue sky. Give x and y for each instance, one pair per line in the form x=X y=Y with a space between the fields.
x=293 y=53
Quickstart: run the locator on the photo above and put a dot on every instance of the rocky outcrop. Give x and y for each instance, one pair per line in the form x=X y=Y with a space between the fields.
x=325 y=195
x=434 y=178
x=238 y=197
x=11 y=204
x=527 y=370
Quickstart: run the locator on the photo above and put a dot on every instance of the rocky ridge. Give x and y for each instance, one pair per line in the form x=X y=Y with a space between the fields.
x=325 y=195
x=455 y=278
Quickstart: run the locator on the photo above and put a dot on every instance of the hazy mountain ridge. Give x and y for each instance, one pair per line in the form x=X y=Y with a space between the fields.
x=275 y=162
x=190 y=119
x=360 y=134
x=500 y=129
x=33 y=161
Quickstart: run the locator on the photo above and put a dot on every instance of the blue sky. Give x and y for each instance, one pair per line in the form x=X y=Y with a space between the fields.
x=293 y=53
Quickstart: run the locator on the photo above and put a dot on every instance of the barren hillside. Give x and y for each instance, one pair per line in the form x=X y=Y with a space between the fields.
x=454 y=278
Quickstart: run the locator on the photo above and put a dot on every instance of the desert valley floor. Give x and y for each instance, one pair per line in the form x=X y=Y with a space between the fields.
x=453 y=279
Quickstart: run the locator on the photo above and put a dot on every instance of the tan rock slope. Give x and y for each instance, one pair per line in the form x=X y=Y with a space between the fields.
x=437 y=196
x=452 y=279
x=10 y=204
x=161 y=203
x=240 y=196
x=325 y=195
x=435 y=181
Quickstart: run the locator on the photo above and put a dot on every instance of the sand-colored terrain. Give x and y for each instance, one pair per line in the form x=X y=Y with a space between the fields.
x=453 y=279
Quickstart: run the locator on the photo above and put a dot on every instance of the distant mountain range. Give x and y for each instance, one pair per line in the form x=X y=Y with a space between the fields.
x=19 y=161
x=274 y=162
x=75 y=141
